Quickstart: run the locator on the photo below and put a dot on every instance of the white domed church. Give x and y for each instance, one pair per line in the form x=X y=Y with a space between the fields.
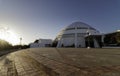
x=74 y=35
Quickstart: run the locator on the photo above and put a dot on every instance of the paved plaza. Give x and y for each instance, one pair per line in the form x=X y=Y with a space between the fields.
x=61 y=62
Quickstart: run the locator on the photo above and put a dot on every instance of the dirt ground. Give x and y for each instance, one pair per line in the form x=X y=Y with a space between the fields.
x=61 y=62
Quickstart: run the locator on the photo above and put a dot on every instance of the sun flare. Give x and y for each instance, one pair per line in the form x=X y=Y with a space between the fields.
x=9 y=36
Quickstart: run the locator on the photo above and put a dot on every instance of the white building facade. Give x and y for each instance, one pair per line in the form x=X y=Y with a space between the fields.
x=74 y=35
x=41 y=43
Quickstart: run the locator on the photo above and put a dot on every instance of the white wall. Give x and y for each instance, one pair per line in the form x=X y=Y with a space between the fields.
x=68 y=41
x=41 y=43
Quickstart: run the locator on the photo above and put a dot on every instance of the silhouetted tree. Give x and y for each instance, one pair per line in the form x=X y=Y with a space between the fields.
x=20 y=46
x=4 y=45
x=36 y=41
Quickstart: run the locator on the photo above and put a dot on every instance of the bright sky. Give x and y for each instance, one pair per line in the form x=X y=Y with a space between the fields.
x=34 y=19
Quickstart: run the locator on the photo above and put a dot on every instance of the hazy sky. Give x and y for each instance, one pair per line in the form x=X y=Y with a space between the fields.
x=34 y=19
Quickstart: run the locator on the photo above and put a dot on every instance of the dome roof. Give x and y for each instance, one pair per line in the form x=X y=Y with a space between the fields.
x=78 y=25
x=80 y=28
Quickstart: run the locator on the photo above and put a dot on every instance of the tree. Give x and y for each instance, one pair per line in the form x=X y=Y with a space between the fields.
x=4 y=45
x=118 y=37
x=36 y=41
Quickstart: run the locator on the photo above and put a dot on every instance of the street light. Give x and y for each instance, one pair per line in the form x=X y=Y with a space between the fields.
x=88 y=34
x=20 y=41
x=103 y=36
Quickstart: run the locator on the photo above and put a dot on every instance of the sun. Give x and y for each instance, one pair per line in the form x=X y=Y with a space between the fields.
x=8 y=35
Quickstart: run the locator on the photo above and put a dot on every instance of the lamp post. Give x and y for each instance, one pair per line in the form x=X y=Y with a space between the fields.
x=20 y=41
x=103 y=36
x=88 y=34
